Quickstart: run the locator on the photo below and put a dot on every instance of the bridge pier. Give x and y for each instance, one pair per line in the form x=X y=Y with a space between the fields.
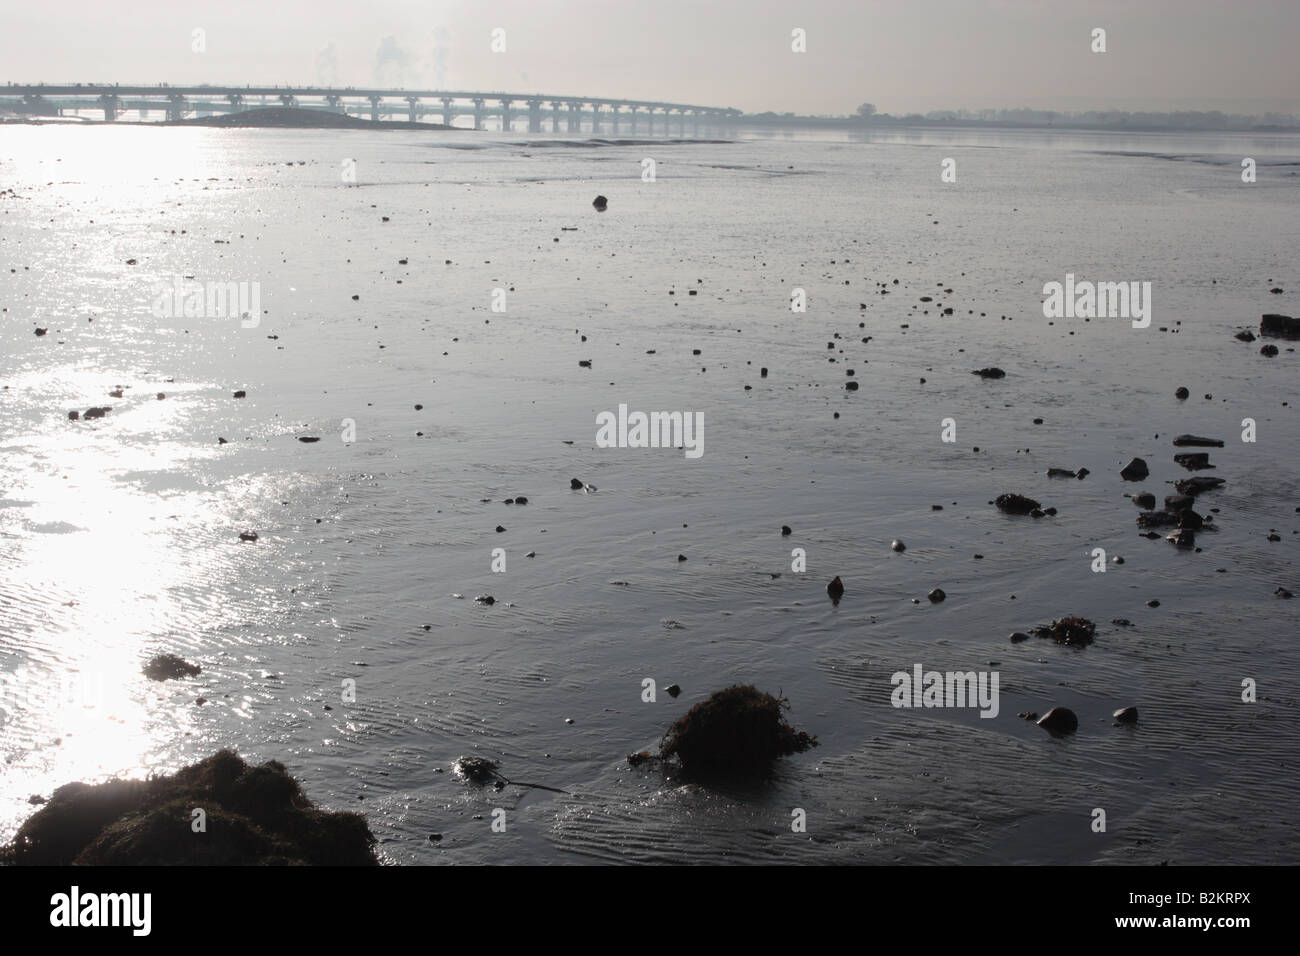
x=595 y=119
x=507 y=114
x=374 y=108
x=175 y=107
x=110 y=103
x=288 y=100
x=478 y=112
x=534 y=116
x=575 y=118
x=446 y=111
x=236 y=101
x=633 y=111
x=613 y=119
x=555 y=115
x=412 y=103
x=335 y=103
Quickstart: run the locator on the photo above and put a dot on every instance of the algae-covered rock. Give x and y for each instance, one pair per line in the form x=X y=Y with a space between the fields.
x=250 y=815
x=737 y=730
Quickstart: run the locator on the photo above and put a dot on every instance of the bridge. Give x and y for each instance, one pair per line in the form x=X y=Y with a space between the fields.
x=177 y=102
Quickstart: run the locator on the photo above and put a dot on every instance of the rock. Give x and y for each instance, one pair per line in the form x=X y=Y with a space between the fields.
x=255 y=816
x=1282 y=326
x=1016 y=504
x=836 y=590
x=601 y=203
x=500 y=529
x=785 y=531
x=1153 y=603
x=475 y=769
x=1268 y=351
x=41 y=332
x=1135 y=470
x=1183 y=538
x=584 y=363
x=1059 y=720
x=850 y=386
x=168 y=667
x=1083 y=473
x=1282 y=593
x=521 y=500
x=308 y=439
x=248 y=536
x=1194 y=461
x=1157 y=519
x=898 y=546
x=1189 y=519
x=1061 y=473
x=673 y=690
x=1178 y=503
x=486 y=599
x=1194 y=486
x=241 y=394
x=990 y=372
x=98 y=412
x=575 y=484
x=1126 y=715
x=936 y=595
x=1245 y=336
x=1181 y=394
x=681 y=557
x=1196 y=441
x=1145 y=500
x=736 y=731
x=74 y=416
x=1018 y=636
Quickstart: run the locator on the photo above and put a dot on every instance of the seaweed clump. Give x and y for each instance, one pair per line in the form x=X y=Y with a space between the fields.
x=251 y=816
x=1078 y=631
x=739 y=730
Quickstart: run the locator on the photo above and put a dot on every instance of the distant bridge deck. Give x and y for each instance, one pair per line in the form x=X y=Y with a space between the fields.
x=176 y=102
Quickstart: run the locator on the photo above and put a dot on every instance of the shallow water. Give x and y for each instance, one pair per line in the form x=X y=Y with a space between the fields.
x=119 y=537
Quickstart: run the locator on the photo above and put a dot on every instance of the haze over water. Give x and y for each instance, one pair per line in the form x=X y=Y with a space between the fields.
x=119 y=537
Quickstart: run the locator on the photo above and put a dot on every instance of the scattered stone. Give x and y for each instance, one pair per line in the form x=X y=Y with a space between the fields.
x=168 y=667
x=1126 y=715
x=1282 y=593
x=898 y=545
x=1061 y=473
x=673 y=690
x=1181 y=394
x=74 y=416
x=241 y=394
x=1083 y=473
x=575 y=484
x=601 y=203
x=1282 y=326
x=1194 y=486
x=1157 y=519
x=836 y=590
x=1194 y=461
x=308 y=439
x=1135 y=470
x=248 y=536
x=936 y=595
x=1268 y=351
x=1245 y=336
x=486 y=599
x=97 y=412
x=475 y=769
x=1196 y=441
x=1145 y=500
x=1018 y=636
x=41 y=332
x=1059 y=720
x=990 y=372
x=785 y=531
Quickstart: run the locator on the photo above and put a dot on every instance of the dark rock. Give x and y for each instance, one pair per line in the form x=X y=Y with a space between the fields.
x=521 y=500
x=1126 y=715
x=681 y=557
x=1268 y=351
x=1059 y=720
x=476 y=769
x=1178 y=503
x=500 y=529
x=1245 y=336
x=1153 y=603
x=673 y=690
x=1083 y=473
x=1145 y=500
x=169 y=666
x=1194 y=486
x=601 y=203
x=936 y=595
x=990 y=372
x=1183 y=538
x=575 y=484
x=486 y=599
x=255 y=816
x=836 y=590
x=1190 y=520
x=1196 y=441
x=1157 y=519
x=74 y=416
x=1282 y=593
x=41 y=332
x=1061 y=473
x=1135 y=470
x=241 y=394
x=1016 y=504
x=1018 y=636
x=850 y=386
x=248 y=536
x=1282 y=326
x=737 y=731
x=1194 y=461
x=1181 y=394
x=308 y=439
x=898 y=545
x=97 y=412
x=785 y=531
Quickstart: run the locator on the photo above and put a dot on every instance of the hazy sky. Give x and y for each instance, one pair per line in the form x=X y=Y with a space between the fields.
x=902 y=55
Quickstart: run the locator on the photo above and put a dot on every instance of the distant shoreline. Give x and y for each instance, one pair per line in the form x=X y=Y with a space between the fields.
x=277 y=117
